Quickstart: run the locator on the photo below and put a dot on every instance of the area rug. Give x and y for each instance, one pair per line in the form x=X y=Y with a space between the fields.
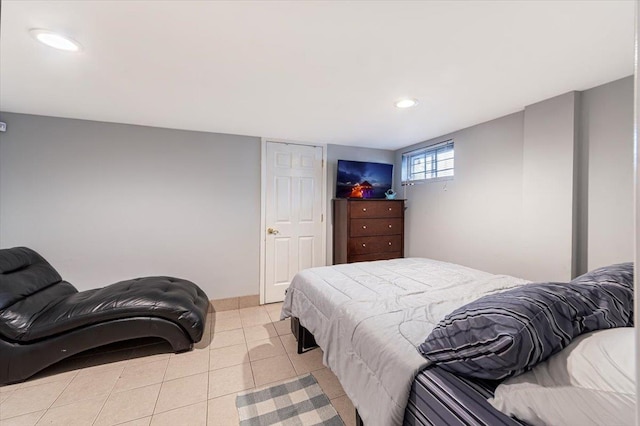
x=298 y=402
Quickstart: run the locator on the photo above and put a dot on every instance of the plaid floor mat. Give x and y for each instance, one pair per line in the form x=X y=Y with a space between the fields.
x=299 y=402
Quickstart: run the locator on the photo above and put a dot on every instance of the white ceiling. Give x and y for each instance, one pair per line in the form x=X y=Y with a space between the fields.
x=310 y=71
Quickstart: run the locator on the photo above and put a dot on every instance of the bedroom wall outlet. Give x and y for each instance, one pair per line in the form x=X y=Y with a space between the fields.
x=3 y=126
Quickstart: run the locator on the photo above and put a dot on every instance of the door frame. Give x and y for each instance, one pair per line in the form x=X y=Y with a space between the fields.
x=263 y=205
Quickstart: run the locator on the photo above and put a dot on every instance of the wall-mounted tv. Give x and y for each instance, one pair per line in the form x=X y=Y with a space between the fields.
x=359 y=179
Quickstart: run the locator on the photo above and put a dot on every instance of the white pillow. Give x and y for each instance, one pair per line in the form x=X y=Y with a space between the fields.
x=590 y=382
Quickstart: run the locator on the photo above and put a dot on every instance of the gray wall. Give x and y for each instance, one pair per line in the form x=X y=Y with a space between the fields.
x=106 y=202
x=474 y=219
x=636 y=189
x=548 y=187
x=342 y=152
x=500 y=214
x=607 y=131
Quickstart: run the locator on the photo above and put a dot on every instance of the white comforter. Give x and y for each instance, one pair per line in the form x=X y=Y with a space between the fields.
x=370 y=317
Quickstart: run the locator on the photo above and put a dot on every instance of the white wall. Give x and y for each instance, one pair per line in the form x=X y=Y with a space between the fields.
x=106 y=202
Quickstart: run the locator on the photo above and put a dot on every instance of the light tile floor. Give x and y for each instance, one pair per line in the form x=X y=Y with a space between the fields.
x=146 y=384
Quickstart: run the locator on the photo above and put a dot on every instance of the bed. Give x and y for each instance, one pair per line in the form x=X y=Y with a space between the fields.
x=370 y=317
x=393 y=332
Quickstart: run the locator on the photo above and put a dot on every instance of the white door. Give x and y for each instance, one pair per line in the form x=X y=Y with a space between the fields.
x=293 y=214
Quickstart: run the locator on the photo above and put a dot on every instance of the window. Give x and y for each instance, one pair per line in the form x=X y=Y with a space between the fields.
x=435 y=161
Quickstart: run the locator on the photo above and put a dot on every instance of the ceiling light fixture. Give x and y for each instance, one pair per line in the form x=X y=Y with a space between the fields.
x=406 y=103
x=55 y=40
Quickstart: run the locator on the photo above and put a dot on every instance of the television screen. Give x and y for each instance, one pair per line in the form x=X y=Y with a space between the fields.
x=358 y=179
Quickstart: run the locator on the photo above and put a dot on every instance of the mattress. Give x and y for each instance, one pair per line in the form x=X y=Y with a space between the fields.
x=315 y=294
x=440 y=398
x=369 y=318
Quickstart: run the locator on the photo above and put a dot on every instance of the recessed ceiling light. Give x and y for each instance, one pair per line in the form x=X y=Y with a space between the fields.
x=406 y=103
x=55 y=40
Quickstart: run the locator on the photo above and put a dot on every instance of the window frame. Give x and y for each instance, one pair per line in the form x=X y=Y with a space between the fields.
x=409 y=157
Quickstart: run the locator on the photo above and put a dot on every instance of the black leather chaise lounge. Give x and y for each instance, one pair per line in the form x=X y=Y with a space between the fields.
x=44 y=319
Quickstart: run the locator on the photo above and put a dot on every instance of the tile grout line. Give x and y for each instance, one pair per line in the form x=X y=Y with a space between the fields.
x=206 y=411
x=253 y=376
x=210 y=354
x=163 y=380
x=111 y=391
x=169 y=411
x=44 y=411
x=105 y=400
x=160 y=391
x=126 y=390
x=132 y=420
x=41 y=416
x=55 y=399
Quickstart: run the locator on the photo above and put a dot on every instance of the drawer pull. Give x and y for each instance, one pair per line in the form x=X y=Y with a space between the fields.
x=364 y=209
x=365 y=226
x=390 y=209
x=389 y=242
x=389 y=225
x=364 y=245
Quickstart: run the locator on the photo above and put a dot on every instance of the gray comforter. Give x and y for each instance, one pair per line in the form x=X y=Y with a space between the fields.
x=369 y=318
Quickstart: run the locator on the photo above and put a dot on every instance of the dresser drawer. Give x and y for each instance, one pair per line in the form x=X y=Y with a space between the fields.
x=364 y=209
x=380 y=244
x=374 y=256
x=370 y=227
x=367 y=230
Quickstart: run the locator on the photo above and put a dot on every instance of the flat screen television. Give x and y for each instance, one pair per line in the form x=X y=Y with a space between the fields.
x=360 y=179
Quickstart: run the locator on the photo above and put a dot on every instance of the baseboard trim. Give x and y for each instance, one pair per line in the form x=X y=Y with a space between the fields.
x=232 y=303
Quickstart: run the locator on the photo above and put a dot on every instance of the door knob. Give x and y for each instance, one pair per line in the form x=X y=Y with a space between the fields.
x=272 y=231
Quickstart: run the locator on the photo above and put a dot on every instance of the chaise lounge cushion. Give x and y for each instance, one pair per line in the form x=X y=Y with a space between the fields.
x=162 y=297
x=35 y=303
x=24 y=273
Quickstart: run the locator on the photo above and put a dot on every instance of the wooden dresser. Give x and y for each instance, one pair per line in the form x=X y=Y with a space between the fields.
x=366 y=230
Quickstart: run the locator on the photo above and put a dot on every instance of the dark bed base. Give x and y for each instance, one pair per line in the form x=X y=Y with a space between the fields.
x=305 y=339
x=419 y=411
x=306 y=342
